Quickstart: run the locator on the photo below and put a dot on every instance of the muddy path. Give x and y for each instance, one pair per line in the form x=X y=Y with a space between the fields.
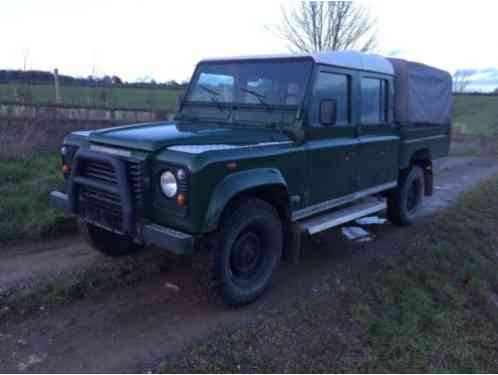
x=131 y=328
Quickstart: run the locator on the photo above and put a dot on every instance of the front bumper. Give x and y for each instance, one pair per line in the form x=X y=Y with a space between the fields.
x=151 y=234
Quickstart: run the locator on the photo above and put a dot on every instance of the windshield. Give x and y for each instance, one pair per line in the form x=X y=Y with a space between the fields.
x=266 y=84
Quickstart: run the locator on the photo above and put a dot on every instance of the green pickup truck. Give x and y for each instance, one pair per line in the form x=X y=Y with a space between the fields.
x=261 y=151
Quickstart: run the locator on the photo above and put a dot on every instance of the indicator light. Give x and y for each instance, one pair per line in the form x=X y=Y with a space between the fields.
x=181 y=199
x=232 y=166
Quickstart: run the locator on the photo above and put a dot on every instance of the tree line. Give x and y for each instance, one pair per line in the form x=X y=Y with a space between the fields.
x=39 y=77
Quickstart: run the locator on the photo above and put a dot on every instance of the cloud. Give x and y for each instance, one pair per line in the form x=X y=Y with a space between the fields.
x=483 y=76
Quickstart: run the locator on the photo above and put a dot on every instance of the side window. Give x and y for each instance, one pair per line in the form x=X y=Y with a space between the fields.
x=373 y=100
x=337 y=87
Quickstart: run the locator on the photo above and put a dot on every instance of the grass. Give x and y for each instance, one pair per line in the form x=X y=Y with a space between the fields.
x=476 y=115
x=24 y=206
x=432 y=308
x=115 y=97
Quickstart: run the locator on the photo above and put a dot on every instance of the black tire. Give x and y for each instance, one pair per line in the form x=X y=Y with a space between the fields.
x=404 y=201
x=108 y=243
x=249 y=252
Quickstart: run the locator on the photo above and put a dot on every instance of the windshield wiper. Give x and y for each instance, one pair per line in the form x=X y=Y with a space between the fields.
x=212 y=95
x=261 y=98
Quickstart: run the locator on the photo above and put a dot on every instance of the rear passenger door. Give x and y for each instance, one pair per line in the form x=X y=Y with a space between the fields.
x=332 y=150
x=379 y=137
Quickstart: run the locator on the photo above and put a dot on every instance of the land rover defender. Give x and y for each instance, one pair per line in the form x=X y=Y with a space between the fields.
x=261 y=151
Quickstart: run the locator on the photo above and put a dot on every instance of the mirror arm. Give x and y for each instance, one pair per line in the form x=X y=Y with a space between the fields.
x=179 y=102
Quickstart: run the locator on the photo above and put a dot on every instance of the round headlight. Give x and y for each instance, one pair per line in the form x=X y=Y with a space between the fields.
x=63 y=150
x=169 y=186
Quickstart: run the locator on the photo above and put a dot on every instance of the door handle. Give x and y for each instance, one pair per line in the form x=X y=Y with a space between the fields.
x=348 y=156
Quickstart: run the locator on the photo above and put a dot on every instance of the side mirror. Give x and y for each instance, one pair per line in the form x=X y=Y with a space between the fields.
x=328 y=112
x=179 y=102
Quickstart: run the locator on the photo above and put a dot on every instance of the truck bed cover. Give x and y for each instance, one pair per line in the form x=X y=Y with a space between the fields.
x=423 y=94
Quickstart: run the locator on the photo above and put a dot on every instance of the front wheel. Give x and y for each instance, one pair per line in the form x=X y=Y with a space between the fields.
x=404 y=201
x=106 y=242
x=250 y=251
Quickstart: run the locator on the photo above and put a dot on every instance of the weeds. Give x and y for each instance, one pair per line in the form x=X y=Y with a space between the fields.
x=25 y=184
x=432 y=310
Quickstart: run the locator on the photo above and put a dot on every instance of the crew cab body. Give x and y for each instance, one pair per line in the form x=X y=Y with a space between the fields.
x=295 y=137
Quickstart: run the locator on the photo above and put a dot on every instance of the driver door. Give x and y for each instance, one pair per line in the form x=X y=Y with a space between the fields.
x=332 y=149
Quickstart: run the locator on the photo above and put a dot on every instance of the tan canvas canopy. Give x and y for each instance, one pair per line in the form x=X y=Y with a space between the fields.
x=423 y=94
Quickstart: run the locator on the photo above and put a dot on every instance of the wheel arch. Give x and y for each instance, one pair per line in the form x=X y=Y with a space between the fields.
x=267 y=184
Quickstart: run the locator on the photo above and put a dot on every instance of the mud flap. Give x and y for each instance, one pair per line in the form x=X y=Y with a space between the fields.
x=428 y=181
x=292 y=243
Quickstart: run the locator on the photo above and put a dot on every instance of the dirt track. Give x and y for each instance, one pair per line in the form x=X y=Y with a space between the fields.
x=132 y=328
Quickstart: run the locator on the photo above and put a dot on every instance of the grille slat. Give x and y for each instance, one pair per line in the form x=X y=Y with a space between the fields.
x=98 y=176
x=135 y=173
x=100 y=171
x=94 y=169
x=101 y=196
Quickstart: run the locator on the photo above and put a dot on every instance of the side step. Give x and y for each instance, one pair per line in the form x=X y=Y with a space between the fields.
x=338 y=217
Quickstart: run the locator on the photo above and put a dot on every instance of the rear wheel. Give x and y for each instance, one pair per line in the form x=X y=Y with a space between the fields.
x=106 y=242
x=404 y=201
x=250 y=249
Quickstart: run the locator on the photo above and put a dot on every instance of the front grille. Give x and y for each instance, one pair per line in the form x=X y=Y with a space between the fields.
x=103 y=172
x=101 y=208
x=106 y=208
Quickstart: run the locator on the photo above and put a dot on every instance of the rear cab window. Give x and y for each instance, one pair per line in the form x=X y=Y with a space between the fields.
x=374 y=100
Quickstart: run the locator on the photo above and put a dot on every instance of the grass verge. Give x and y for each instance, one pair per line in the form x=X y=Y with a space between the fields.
x=25 y=184
x=432 y=308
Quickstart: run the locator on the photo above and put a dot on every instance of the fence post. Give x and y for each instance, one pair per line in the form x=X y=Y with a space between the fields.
x=57 y=86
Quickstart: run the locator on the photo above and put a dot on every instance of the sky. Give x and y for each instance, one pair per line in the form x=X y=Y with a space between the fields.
x=165 y=39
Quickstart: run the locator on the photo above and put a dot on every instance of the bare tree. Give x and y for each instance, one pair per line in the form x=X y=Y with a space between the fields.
x=25 y=58
x=461 y=80
x=328 y=26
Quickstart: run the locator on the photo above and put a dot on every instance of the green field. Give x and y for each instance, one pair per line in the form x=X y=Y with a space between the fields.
x=93 y=96
x=476 y=115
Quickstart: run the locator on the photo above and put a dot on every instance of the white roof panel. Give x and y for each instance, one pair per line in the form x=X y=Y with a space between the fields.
x=345 y=59
x=356 y=60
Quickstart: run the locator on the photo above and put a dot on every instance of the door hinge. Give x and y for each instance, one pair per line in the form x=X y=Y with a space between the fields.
x=295 y=199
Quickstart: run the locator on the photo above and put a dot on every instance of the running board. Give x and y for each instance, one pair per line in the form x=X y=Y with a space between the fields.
x=339 y=217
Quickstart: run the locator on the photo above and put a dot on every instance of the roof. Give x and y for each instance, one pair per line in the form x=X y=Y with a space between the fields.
x=345 y=59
